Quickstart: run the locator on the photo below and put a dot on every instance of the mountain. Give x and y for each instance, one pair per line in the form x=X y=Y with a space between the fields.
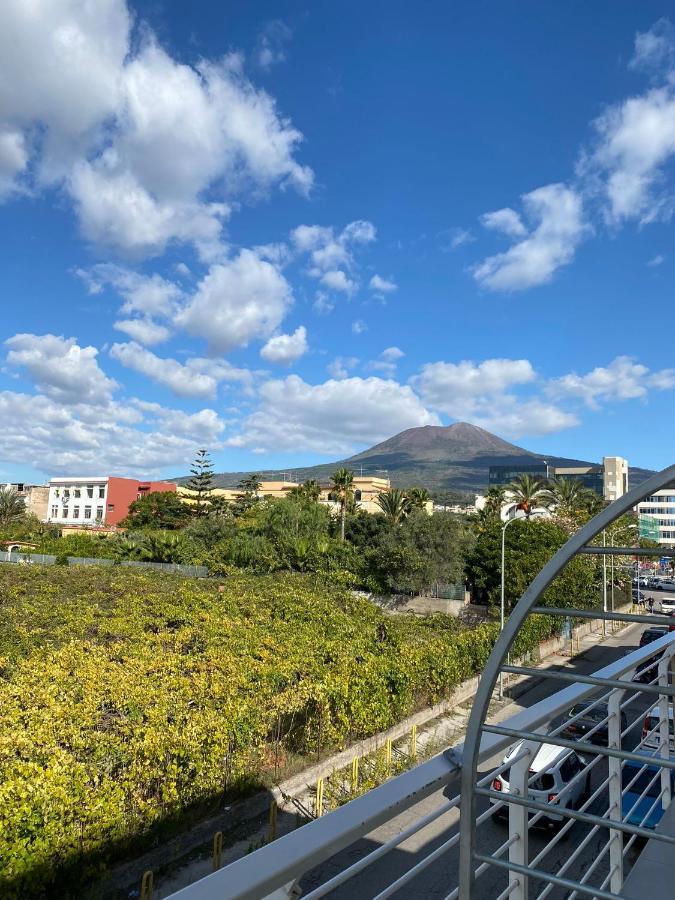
x=449 y=459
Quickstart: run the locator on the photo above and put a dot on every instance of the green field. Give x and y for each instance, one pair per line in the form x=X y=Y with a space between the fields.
x=135 y=702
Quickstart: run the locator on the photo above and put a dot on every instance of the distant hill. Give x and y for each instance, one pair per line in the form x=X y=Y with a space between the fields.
x=450 y=459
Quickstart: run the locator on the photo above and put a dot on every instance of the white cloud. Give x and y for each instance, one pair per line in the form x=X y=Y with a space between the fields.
x=387 y=361
x=336 y=280
x=622 y=379
x=332 y=256
x=286 y=348
x=506 y=220
x=455 y=237
x=148 y=295
x=466 y=389
x=323 y=303
x=655 y=48
x=136 y=137
x=359 y=326
x=238 y=301
x=550 y=245
x=145 y=331
x=339 y=368
x=334 y=417
x=62 y=370
x=195 y=378
x=517 y=418
x=13 y=160
x=382 y=285
x=181 y=379
x=272 y=41
x=657 y=260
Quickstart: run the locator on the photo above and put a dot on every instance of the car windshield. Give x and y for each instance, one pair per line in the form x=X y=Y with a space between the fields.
x=643 y=779
x=597 y=714
x=545 y=782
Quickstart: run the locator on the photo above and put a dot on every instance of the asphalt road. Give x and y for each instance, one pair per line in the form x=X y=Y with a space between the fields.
x=441 y=876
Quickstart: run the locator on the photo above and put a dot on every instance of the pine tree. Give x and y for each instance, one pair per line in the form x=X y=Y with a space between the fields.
x=201 y=482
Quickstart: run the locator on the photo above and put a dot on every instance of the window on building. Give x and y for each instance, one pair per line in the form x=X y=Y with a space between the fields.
x=87 y=512
x=101 y=492
x=90 y=490
x=111 y=506
x=357 y=496
x=66 y=493
x=55 y=511
x=76 y=512
x=99 y=513
x=76 y=492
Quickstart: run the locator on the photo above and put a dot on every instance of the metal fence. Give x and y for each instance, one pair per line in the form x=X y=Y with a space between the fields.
x=605 y=781
x=45 y=559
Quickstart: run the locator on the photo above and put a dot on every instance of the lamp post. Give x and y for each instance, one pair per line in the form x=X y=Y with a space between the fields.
x=533 y=515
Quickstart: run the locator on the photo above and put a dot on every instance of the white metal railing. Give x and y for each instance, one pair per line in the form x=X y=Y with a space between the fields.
x=286 y=860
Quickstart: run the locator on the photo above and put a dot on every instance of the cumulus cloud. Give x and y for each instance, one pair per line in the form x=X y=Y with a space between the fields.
x=151 y=150
x=147 y=295
x=381 y=286
x=359 y=326
x=386 y=363
x=237 y=301
x=506 y=220
x=61 y=369
x=550 y=244
x=516 y=418
x=340 y=367
x=334 y=417
x=144 y=331
x=657 y=260
x=286 y=348
x=195 y=378
x=13 y=160
x=622 y=379
x=463 y=389
x=331 y=255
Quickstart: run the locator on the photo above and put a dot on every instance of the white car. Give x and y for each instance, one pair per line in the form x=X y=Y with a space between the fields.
x=561 y=766
x=666 y=584
x=652 y=741
x=667 y=605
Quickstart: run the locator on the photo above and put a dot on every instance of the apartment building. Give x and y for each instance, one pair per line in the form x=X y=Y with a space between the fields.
x=609 y=480
x=660 y=507
x=35 y=497
x=96 y=500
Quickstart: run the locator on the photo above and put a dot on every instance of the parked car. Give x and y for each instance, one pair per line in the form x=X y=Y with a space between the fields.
x=577 y=731
x=651 y=738
x=561 y=766
x=635 y=809
x=653 y=633
x=667 y=605
x=665 y=584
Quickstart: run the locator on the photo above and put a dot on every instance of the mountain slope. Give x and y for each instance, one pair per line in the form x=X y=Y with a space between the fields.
x=453 y=458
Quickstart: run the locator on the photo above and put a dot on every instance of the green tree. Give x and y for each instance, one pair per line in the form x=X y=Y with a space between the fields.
x=527 y=493
x=569 y=498
x=310 y=491
x=495 y=497
x=158 y=509
x=248 y=494
x=394 y=504
x=201 y=482
x=207 y=531
x=12 y=507
x=342 y=491
x=418 y=497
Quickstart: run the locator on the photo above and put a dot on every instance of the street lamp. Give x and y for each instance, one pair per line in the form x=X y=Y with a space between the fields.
x=612 y=536
x=537 y=514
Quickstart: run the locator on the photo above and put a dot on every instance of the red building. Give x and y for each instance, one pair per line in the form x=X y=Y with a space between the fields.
x=123 y=491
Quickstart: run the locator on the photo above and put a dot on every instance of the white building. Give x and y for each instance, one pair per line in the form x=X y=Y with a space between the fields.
x=77 y=501
x=661 y=506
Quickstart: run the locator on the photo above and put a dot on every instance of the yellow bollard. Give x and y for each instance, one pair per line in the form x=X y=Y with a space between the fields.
x=147 y=885
x=355 y=774
x=319 y=798
x=217 y=849
x=387 y=753
x=273 y=820
x=413 y=742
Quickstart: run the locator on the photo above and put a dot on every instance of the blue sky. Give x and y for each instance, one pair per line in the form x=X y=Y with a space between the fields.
x=288 y=231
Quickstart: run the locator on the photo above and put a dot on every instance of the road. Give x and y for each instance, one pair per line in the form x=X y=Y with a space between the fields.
x=441 y=877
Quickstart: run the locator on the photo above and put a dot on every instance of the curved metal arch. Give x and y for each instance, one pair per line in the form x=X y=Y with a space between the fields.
x=501 y=649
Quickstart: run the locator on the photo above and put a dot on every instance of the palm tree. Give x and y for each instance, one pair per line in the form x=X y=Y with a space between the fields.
x=527 y=493
x=12 y=506
x=395 y=505
x=342 y=490
x=310 y=491
x=568 y=495
x=418 y=497
x=495 y=497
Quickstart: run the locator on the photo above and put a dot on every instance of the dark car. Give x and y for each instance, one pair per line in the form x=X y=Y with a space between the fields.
x=653 y=634
x=577 y=730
